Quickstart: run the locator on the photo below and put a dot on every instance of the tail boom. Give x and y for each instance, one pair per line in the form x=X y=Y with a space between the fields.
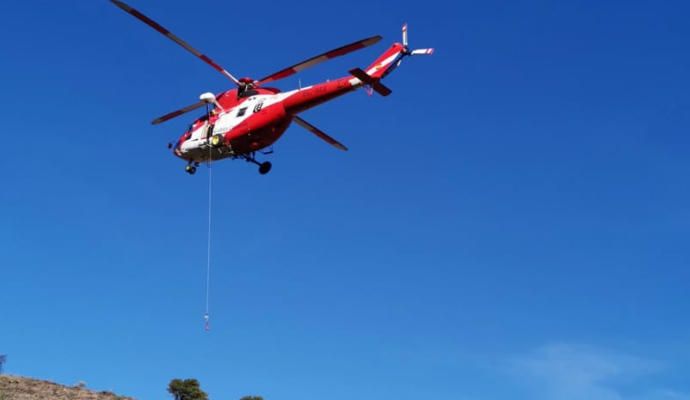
x=306 y=98
x=387 y=61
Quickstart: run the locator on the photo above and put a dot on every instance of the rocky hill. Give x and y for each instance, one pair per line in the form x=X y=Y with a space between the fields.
x=20 y=388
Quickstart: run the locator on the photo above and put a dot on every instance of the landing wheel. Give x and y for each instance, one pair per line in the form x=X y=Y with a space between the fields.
x=190 y=169
x=265 y=167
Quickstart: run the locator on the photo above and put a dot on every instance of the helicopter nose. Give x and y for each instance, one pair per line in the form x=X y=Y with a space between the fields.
x=175 y=149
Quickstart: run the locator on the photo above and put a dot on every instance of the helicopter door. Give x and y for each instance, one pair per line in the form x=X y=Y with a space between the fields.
x=198 y=138
x=201 y=133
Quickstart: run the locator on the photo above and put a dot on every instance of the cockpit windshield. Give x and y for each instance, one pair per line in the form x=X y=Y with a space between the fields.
x=241 y=93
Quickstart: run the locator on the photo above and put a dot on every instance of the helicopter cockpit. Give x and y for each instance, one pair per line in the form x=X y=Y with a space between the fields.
x=246 y=88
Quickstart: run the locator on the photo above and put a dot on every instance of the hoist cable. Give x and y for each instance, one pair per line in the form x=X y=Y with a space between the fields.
x=208 y=247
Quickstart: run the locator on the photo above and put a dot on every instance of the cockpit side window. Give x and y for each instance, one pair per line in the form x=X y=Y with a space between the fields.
x=241 y=111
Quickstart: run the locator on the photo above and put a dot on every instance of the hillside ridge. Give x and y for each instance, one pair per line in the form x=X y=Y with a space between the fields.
x=22 y=388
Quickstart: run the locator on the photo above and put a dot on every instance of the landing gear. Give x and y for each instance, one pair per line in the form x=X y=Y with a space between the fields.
x=264 y=167
x=191 y=167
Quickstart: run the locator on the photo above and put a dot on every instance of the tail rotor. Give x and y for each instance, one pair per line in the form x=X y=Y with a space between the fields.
x=416 y=52
x=386 y=63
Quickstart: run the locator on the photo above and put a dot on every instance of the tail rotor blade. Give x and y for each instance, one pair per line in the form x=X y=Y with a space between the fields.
x=404 y=35
x=422 y=52
x=417 y=52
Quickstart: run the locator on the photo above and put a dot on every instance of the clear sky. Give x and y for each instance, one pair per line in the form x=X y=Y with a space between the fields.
x=511 y=223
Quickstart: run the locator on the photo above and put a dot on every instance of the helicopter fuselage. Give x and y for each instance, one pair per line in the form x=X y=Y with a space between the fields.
x=253 y=122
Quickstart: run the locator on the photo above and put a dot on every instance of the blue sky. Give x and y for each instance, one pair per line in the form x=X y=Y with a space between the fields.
x=511 y=223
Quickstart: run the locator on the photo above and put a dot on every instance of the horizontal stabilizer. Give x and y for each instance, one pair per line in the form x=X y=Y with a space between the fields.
x=374 y=83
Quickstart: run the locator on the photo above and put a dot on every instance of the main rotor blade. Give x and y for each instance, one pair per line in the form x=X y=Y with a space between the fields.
x=155 y=25
x=340 y=51
x=319 y=133
x=177 y=113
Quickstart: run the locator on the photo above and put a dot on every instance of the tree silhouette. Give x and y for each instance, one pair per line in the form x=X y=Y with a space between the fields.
x=252 y=398
x=187 y=389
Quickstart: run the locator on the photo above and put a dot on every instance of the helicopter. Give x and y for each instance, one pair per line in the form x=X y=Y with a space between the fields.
x=249 y=118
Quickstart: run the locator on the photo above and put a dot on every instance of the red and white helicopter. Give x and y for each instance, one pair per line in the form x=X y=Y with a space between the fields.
x=248 y=119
